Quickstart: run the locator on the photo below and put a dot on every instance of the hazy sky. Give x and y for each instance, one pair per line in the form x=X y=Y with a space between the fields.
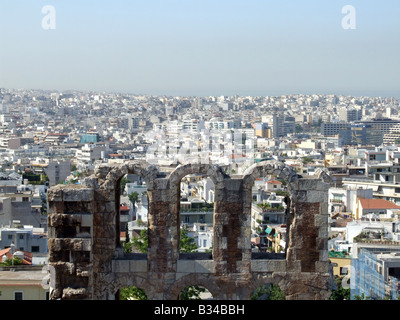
x=202 y=47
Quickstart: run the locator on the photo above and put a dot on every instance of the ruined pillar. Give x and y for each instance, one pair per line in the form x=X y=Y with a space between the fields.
x=164 y=227
x=307 y=252
x=231 y=246
x=70 y=230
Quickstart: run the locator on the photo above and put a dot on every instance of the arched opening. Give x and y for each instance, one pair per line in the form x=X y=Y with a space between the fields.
x=195 y=292
x=127 y=186
x=269 y=214
x=269 y=200
x=133 y=214
x=196 y=210
x=131 y=293
x=268 y=291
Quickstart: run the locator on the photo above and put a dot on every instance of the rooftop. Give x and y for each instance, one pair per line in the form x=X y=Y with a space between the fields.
x=377 y=204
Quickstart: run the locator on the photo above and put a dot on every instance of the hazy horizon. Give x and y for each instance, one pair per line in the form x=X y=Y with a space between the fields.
x=202 y=48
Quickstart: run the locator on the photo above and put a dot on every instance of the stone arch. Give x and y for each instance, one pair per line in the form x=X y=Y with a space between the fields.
x=273 y=167
x=193 y=279
x=214 y=172
x=274 y=280
x=110 y=177
x=262 y=169
x=128 y=280
x=110 y=174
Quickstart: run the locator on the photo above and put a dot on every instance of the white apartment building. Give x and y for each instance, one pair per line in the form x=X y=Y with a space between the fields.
x=203 y=235
x=344 y=200
x=89 y=153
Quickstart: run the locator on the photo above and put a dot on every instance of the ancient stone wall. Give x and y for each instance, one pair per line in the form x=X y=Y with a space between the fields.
x=86 y=253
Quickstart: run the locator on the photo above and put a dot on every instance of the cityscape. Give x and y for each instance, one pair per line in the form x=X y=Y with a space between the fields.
x=173 y=116
x=51 y=138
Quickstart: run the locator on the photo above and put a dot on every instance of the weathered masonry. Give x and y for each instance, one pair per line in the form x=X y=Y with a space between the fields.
x=89 y=262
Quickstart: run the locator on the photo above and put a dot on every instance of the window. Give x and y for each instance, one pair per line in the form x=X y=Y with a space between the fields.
x=18 y=295
x=204 y=243
x=344 y=270
x=35 y=249
x=21 y=236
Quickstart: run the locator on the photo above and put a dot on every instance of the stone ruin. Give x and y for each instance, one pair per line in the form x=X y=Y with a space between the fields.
x=90 y=263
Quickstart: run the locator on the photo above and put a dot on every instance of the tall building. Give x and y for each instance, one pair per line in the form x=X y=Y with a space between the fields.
x=360 y=134
x=275 y=122
x=133 y=123
x=333 y=128
x=263 y=131
x=382 y=125
x=375 y=272
x=393 y=137
x=350 y=115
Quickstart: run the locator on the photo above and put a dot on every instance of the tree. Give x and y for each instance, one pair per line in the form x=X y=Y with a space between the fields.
x=187 y=243
x=12 y=261
x=191 y=293
x=142 y=242
x=127 y=244
x=128 y=247
x=307 y=160
x=133 y=197
x=340 y=293
x=124 y=181
x=268 y=292
x=133 y=293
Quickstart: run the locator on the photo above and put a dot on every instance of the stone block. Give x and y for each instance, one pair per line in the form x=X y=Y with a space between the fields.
x=307 y=184
x=120 y=266
x=322 y=266
x=276 y=266
x=78 y=194
x=243 y=267
x=323 y=255
x=86 y=220
x=161 y=184
x=74 y=294
x=323 y=232
x=293 y=266
x=314 y=196
x=86 y=244
x=91 y=182
x=138 y=266
x=186 y=266
x=204 y=266
x=224 y=243
x=321 y=220
x=55 y=193
x=259 y=265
